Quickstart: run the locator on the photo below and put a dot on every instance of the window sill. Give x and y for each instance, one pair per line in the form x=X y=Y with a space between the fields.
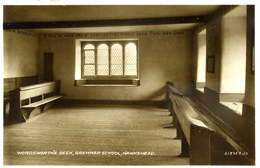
x=107 y=82
x=200 y=89
x=234 y=106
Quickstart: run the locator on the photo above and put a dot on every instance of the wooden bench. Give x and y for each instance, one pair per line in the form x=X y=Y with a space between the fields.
x=25 y=99
x=228 y=135
x=171 y=90
x=195 y=123
x=191 y=128
x=12 y=84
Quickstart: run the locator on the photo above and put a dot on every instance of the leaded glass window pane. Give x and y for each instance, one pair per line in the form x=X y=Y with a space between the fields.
x=89 y=47
x=102 y=60
x=130 y=59
x=89 y=57
x=89 y=60
x=89 y=70
x=117 y=60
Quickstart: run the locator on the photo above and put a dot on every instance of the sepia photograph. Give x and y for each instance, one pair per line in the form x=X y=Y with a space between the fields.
x=141 y=84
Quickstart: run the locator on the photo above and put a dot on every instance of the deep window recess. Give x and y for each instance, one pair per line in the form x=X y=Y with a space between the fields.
x=201 y=60
x=109 y=63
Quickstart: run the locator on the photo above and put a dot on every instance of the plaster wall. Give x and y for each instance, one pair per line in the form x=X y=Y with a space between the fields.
x=162 y=58
x=213 y=41
x=20 y=54
x=233 y=54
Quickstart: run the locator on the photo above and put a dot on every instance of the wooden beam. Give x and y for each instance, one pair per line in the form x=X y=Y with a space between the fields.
x=107 y=23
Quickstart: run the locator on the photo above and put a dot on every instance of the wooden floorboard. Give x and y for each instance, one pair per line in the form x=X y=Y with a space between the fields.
x=93 y=128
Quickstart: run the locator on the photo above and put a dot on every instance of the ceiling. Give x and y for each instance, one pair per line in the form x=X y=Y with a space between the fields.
x=87 y=13
x=239 y=11
x=101 y=12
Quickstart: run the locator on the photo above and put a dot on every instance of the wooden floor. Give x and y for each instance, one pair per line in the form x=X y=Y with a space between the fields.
x=107 y=134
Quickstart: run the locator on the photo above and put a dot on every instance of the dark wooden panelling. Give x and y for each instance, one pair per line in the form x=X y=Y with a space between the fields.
x=9 y=84
x=249 y=112
x=25 y=81
x=13 y=83
x=161 y=104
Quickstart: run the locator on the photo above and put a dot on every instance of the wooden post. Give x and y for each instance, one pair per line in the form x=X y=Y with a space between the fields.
x=185 y=148
x=200 y=146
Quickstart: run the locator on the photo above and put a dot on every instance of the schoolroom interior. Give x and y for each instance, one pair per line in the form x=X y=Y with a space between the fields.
x=129 y=85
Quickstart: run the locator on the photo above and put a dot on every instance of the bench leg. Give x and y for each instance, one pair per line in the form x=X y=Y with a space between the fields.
x=200 y=147
x=178 y=129
x=170 y=106
x=185 y=148
x=49 y=105
x=15 y=114
x=26 y=113
x=174 y=118
x=172 y=114
x=169 y=103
